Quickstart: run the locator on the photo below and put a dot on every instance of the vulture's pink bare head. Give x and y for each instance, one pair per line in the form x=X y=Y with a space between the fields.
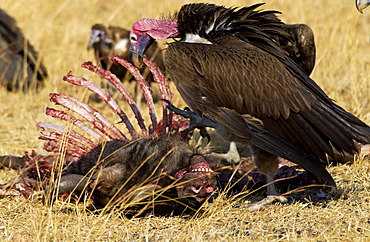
x=144 y=32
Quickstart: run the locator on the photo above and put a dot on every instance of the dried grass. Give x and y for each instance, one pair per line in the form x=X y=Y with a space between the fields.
x=60 y=31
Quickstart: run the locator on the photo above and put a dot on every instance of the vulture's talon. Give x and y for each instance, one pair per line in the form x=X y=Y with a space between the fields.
x=195 y=121
x=203 y=132
x=186 y=113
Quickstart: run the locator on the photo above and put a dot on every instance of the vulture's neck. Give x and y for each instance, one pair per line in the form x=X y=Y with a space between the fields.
x=194 y=38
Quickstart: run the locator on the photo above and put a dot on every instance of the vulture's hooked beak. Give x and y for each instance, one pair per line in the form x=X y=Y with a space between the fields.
x=98 y=36
x=139 y=43
x=95 y=37
x=362 y=4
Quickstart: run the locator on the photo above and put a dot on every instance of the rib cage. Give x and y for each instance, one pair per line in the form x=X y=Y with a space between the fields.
x=76 y=143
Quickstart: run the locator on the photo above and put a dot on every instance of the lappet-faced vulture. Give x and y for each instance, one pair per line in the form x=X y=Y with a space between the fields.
x=20 y=66
x=229 y=67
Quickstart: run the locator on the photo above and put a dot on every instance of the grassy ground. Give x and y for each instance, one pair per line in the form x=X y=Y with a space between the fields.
x=59 y=30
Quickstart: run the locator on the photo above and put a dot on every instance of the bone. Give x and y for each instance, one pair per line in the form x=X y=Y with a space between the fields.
x=77 y=122
x=105 y=96
x=164 y=90
x=89 y=113
x=117 y=83
x=144 y=86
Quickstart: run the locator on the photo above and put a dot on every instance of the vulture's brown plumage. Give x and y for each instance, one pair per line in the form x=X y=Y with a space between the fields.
x=232 y=66
x=20 y=66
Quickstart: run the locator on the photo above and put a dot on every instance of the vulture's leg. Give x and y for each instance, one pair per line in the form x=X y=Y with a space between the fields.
x=268 y=164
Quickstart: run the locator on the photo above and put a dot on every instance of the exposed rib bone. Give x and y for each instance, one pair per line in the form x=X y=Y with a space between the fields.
x=159 y=78
x=117 y=83
x=75 y=121
x=164 y=90
x=52 y=145
x=144 y=86
x=105 y=96
x=89 y=113
x=79 y=138
x=67 y=139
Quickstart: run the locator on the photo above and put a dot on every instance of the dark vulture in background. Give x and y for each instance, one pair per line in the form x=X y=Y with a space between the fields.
x=20 y=67
x=116 y=41
x=229 y=66
x=300 y=45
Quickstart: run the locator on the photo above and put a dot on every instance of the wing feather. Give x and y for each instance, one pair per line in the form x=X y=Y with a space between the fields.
x=253 y=81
